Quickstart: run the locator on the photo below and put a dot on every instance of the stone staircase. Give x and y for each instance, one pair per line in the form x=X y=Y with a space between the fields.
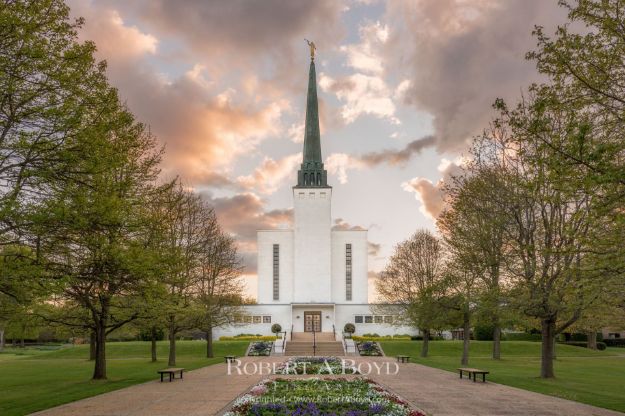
x=302 y=344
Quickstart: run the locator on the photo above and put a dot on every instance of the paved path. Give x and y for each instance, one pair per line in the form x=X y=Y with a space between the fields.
x=441 y=392
x=208 y=390
x=202 y=392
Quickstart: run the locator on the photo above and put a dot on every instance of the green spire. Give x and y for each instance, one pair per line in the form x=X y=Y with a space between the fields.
x=312 y=173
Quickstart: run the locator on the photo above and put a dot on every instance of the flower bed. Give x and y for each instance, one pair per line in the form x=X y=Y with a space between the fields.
x=369 y=348
x=260 y=348
x=321 y=397
x=315 y=365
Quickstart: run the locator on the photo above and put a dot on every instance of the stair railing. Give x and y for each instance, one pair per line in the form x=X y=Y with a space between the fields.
x=314 y=342
x=333 y=332
x=283 y=341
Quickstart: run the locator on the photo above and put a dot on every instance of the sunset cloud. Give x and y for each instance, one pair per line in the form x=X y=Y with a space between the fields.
x=458 y=56
x=429 y=194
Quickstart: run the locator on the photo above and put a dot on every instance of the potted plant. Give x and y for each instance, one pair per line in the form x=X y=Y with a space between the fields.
x=349 y=329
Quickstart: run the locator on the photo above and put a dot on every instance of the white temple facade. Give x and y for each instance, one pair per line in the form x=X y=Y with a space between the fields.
x=311 y=277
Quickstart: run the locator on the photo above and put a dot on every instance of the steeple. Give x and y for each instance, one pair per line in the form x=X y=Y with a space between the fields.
x=312 y=174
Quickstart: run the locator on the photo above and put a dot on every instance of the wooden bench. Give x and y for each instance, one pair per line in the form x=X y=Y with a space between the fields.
x=230 y=358
x=403 y=358
x=473 y=372
x=172 y=373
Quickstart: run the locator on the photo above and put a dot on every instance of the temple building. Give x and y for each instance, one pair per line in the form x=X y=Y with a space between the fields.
x=311 y=277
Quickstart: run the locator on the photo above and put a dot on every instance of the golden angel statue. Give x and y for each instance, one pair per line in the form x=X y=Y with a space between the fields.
x=312 y=48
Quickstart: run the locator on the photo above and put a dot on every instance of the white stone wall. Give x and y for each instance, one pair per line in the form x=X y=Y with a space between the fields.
x=346 y=313
x=360 y=288
x=266 y=240
x=312 y=244
x=280 y=314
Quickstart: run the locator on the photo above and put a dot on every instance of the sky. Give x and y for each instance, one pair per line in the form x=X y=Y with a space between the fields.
x=403 y=85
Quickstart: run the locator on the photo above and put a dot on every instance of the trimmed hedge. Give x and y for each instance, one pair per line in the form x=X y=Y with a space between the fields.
x=615 y=342
x=249 y=338
x=368 y=337
x=600 y=345
x=520 y=336
x=483 y=332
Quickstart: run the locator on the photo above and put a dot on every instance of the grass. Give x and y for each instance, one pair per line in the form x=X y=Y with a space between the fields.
x=592 y=377
x=32 y=379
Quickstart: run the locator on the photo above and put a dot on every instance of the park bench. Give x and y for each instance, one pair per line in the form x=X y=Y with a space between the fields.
x=172 y=373
x=403 y=358
x=473 y=372
x=230 y=358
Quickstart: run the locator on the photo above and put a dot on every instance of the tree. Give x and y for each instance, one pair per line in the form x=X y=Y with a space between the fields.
x=96 y=232
x=46 y=83
x=181 y=217
x=220 y=289
x=473 y=225
x=410 y=284
x=551 y=214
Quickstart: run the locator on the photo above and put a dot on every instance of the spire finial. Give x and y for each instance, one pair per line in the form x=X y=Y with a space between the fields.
x=313 y=48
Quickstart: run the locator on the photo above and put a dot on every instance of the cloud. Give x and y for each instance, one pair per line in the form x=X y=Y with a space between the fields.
x=365 y=91
x=431 y=195
x=374 y=249
x=340 y=163
x=204 y=126
x=242 y=215
x=270 y=174
x=458 y=56
x=342 y=225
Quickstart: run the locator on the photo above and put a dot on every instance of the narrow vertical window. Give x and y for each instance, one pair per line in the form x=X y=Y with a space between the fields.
x=348 y=272
x=276 y=271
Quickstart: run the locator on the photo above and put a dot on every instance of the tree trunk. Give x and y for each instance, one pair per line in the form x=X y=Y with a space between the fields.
x=209 y=343
x=92 y=349
x=426 y=343
x=466 y=338
x=153 y=339
x=172 y=343
x=547 y=348
x=22 y=344
x=1 y=339
x=592 y=340
x=99 y=372
x=497 y=340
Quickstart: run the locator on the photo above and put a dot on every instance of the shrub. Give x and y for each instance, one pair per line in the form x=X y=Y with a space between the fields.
x=369 y=335
x=349 y=328
x=416 y=338
x=521 y=336
x=483 y=332
x=615 y=342
x=275 y=328
x=248 y=338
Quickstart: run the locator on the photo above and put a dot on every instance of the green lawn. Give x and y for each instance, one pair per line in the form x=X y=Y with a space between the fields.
x=593 y=377
x=32 y=379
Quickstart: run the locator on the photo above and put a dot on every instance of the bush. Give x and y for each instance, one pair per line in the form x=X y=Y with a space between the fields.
x=416 y=338
x=369 y=335
x=483 y=332
x=349 y=328
x=275 y=328
x=584 y=337
x=521 y=336
x=615 y=342
x=248 y=338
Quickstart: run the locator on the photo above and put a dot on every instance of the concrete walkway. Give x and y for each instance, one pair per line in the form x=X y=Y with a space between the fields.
x=208 y=390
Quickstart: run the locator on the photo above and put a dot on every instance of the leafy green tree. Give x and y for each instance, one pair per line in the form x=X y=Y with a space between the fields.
x=46 y=81
x=473 y=225
x=96 y=232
